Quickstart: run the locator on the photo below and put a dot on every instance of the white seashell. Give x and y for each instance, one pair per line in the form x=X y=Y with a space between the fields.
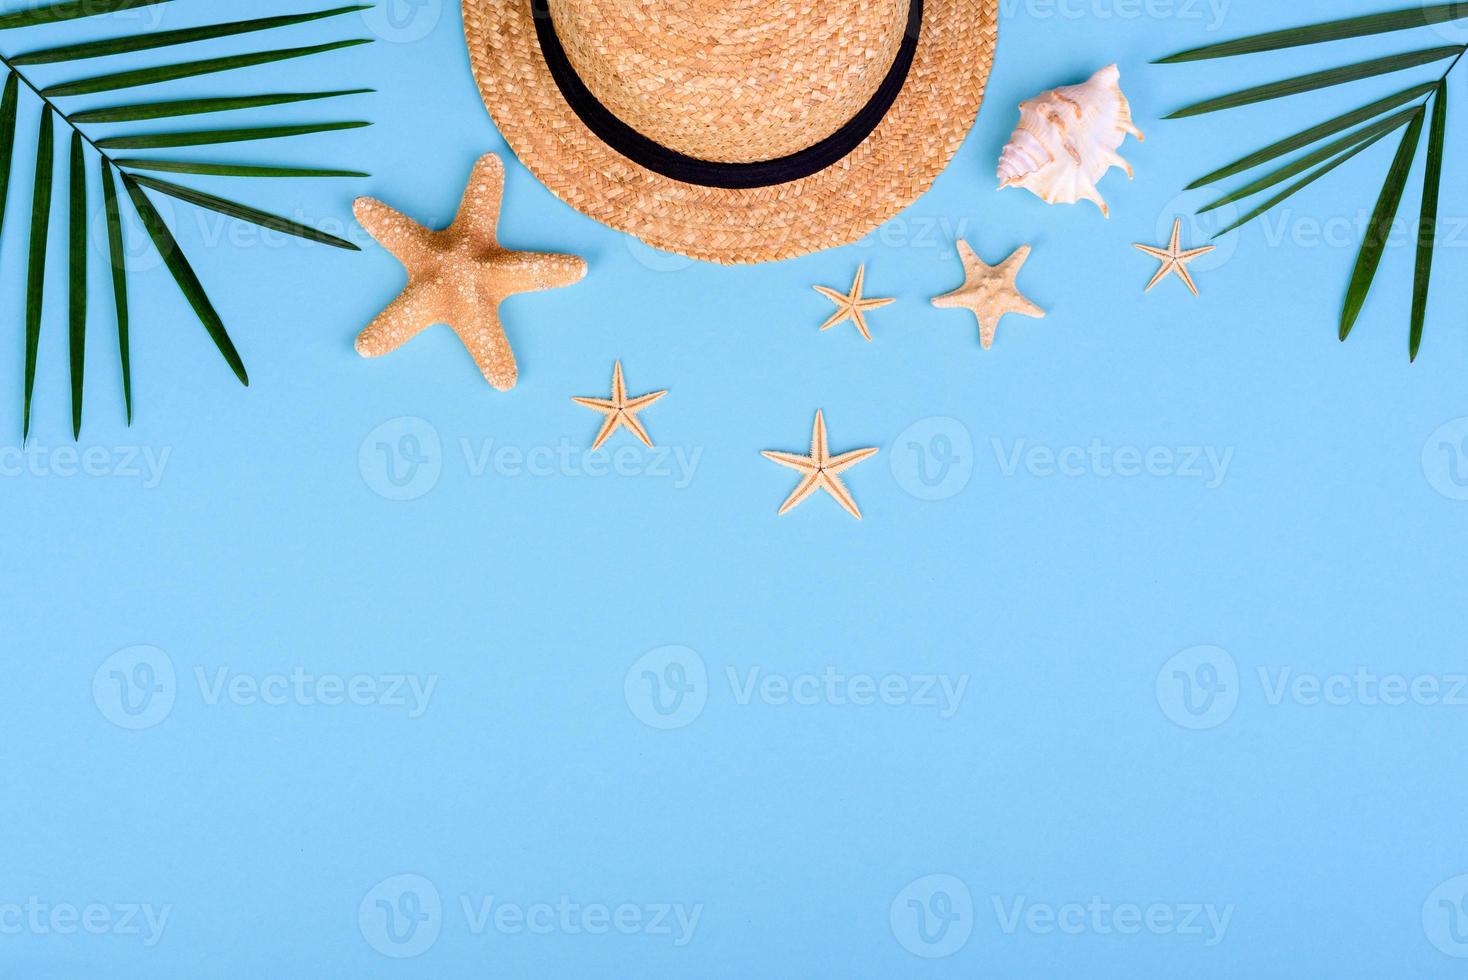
x=1067 y=140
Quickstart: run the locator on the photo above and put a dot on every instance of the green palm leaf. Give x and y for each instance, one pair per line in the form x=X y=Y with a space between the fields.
x=1309 y=160
x=190 y=69
x=136 y=186
x=77 y=307
x=7 y=139
x=1387 y=203
x=1299 y=185
x=209 y=137
x=36 y=268
x=1320 y=79
x=194 y=107
x=231 y=169
x=1335 y=30
x=163 y=39
x=1306 y=137
x=183 y=274
x=117 y=253
x=69 y=10
x=241 y=211
x=1427 y=229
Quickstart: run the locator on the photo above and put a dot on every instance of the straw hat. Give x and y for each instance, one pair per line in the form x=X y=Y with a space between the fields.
x=734 y=130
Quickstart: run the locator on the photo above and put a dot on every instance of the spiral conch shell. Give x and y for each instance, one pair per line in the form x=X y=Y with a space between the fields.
x=1067 y=140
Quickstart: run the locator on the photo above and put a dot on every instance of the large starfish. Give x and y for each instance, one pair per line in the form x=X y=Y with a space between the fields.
x=459 y=276
x=621 y=411
x=821 y=469
x=989 y=291
x=852 y=306
x=1174 y=259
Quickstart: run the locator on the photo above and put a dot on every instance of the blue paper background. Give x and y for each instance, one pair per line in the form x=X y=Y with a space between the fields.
x=263 y=543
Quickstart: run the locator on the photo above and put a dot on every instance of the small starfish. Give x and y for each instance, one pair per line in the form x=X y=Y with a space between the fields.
x=1174 y=259
x=851 y=306
x=459 y=276
x=621 y=411
x=821 y=469
x=989 y=291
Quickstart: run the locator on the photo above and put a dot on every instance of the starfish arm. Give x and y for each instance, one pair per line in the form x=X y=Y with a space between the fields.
x=619 y=385
x=858 y=318
x=970 y=259
x=607 y=428
x=1024 y=307
x=1016 y=259
x=1177 y=230
x=633 y=425
x=818 y=450
x=602 y=405
x=949 y=301
x=988 y=327
x=846 y=461
x=791 y=460
x=479 y=211
x=418 y=307
x=833 y=485
x=642 y=401
x=1193 y=253
x=839 y=317
x=859 y=281
x=874 y=304
x=838 y=298
x=805 y=489
x=1161 y=274
x=548 y=270
x=484 y=336
x=1187 y=278
x=392 y=229
x=1156 y=253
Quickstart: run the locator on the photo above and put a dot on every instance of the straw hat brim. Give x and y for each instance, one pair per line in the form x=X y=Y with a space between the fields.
x=889 y=170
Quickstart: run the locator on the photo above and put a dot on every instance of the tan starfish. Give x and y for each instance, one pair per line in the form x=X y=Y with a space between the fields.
x=459 y=276
x=1174 y=259
x=821 y=469
x=989 y=291
x=852 y=306
x=621 y=411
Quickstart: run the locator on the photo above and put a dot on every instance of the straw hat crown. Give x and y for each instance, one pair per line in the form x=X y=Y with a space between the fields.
x=732 y=81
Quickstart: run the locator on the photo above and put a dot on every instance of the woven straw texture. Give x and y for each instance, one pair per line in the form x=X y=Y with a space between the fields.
x=793 y=78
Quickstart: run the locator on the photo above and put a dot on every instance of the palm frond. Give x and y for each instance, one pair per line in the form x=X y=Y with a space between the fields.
x=1427 y=226
x=1320 y=79
x=1315 y=133
x=164 y=39
x=1334 y=30
x=1382 y=217
x=135 y=185
x=1408 y=107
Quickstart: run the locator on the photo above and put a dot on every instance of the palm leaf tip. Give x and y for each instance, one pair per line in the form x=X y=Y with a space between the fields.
x=1427 y=225
x=1314 y=81
x=1334 y=30
x=77 y=306
x=184 y=275
x=1369 y=257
